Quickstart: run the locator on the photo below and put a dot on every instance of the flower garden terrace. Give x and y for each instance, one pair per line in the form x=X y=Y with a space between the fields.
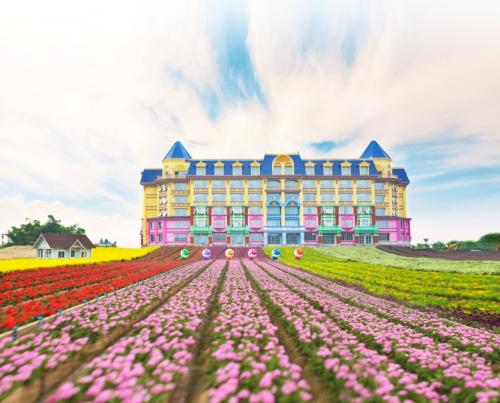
x=258 y=330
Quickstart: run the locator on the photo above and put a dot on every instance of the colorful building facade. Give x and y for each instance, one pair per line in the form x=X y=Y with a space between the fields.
x=278 y=200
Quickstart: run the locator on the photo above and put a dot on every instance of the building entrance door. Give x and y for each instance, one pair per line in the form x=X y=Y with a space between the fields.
x=201 y=240
x=274 y=239
x=293 y=239
x=238 y=239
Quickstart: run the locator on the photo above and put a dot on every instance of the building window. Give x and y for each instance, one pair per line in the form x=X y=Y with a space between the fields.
x=346 y=171
x=237 y=184
x=218 y=184
x=347 y=236
x=288 y=170
x=326 y=184
x=328 y=210
x=72 y=253
x=363 y=197
x=309 y=196
x=364 y=184
x=310 y=171
x=219 y=171
x=379 y=199
x=160 y=225
x=180 y=237
x=218 y=197
x=181 y=224
x=363 y=170
x=380 y=211
x=347 y=223
x=39 y=252
x=273 y=197
x=180 y=199
x=310 y=210
x=236 y=197
x=308 y=184
x=292 y=223
x=255 y=171
x=364 y=210
x=255 y=197
x=180 y=186
x=310 y=223
x=219 y=223
x=328 y=221
x=343 y=184
x=152 y=225
x=48 y=252
x=379 y=186
x=383 y=237
x=291 y=185
x=180 y=212
x=327 y=197
x=274 y=239
x=254 y=210
x=327 y=171
x=237 y=171
x=201 y=171
x=84 y=253
x=291 y=197
x=201 y=210
x=201 y=222
x=256 y=237
x=218 y=211
x=274 y=223
x=273 y=184
x=292 y=210
x=152 y=238
x=275 y=210
x=200 y=184
x=255 y=184
x=200 y=197
x=345 y=209
x=219 y=237
x=310 y=236
x=255 y=223
x=364 y=222
x=160 y=237
x=383 y=224
x=237 y=221
x=237 y=210
x=277 y=170
x=345 y=197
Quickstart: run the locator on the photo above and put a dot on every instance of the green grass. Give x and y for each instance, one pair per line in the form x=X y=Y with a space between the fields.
x=469 y=292
x=377 y=256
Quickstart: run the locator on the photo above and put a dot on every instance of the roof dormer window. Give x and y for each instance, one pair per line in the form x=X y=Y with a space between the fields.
x=345 y=169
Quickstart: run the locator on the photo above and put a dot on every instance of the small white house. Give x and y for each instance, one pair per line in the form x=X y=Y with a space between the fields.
x=60 y=246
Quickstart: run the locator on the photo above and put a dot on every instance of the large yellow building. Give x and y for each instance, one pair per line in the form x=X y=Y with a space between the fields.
x=280 y=199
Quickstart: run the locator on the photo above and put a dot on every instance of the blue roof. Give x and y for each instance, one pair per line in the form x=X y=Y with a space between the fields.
x=401 y=174
x=150 y=175
x=178 y=151
x=374 y=151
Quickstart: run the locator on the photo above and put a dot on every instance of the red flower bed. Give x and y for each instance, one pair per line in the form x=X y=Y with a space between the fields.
x=42 y=292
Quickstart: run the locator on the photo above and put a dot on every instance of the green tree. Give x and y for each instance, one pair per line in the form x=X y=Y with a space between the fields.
x=439 y=245
x=27 y=233
x=492 y=239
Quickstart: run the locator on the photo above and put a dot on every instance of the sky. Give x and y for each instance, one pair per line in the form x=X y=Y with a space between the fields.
x=92 y=92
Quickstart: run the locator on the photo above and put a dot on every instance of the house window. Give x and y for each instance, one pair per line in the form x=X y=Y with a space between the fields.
x=201 y=222
x=327 y=171
x=84 y=253
x=383 y=237
x=328 y=210
x=347 y=223
x=364 y=222
x=379 y=199
x=255 y=171
x=152 y=238
x=255 y=223
x=291 y=210
x=345 y=197
x=180 y=186
x=274 y=223
x=309 y=184
x=291 y=185
x=237 y=171
x=200 y=184
x=288 y=170
x=181 y=224
x=273 y=184
x=292 y=223
x=346 y=171
x=160 y=237
x=61 y=254
x=39 y=252
x=219 y=223
x=328 y=222
x=255 y=197
x=48 y=252
x=345 y=184
x=347 y=236
x=345 y=209
x=218 y=197
x=277 y=170
x=218 y=184
x=364 y=184
x=218 y=211
x=256 y=237
x=180 y=212
x=291 y=197
x=160 y=225
x=254 y=210
x=310 y=223
x=383 y=224
x=237 y=210
x=273 y=197
x=363 y=197
x=255 y=184
x=310 y=210
x=236 y=184
x=201 y=171
x=72 y=253
x=219 y=237
x=309 y=196
x=327 y=196
x=236 y=197
x=274 y=210
x=364 y=210
x=219 y=171
x=380 y=211
x=379 y=186
x=310 y=236
x=363 y=170
x=237 y=222
x=152 y=225
x=200 y=197
x=180 y=199
x=180 y=237
x=326 y=184
x=310 y=171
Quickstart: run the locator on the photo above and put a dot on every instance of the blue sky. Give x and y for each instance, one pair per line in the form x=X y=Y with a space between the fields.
x=89 y=102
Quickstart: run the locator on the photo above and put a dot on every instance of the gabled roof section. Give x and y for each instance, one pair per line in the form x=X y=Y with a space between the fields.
x=374 y=151
x=401 y=174
x=178 y=151
x=65 y=241
x=149 y=176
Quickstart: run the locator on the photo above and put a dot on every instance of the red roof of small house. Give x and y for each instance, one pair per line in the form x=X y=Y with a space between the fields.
x=66 y=241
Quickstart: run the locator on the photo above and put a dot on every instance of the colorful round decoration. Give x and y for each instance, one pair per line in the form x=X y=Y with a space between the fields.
x=252 y=253
x=229 y=254
x=298 y=253
x=206 y=253
x=275 y=254
x=184 y=254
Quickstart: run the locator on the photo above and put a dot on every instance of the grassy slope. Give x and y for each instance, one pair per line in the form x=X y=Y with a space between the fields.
x=377 y=256
x=465 y=291
x=99 y=255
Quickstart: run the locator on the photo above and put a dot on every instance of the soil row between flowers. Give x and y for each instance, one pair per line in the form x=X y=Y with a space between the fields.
x=492 y=356
x=461 y=374
x=36 y=389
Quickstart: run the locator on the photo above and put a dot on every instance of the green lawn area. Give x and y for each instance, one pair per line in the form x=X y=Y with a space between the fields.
x=467 y=291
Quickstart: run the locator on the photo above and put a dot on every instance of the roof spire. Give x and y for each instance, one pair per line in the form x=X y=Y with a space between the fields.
x=178 y=151
x=374 y=151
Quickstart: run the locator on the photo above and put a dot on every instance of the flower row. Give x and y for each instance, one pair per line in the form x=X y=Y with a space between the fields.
x=59 y=341
x=249 y=361
x=461 y=373
x=152 y=359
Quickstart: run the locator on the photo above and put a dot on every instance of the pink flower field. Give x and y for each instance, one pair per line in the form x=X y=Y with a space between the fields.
x=247 y=331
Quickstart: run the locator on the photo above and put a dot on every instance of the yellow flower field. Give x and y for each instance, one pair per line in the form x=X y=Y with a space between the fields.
x=99 y=255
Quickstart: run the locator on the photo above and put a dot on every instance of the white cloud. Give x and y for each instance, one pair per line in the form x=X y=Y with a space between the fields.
x=92 y=92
